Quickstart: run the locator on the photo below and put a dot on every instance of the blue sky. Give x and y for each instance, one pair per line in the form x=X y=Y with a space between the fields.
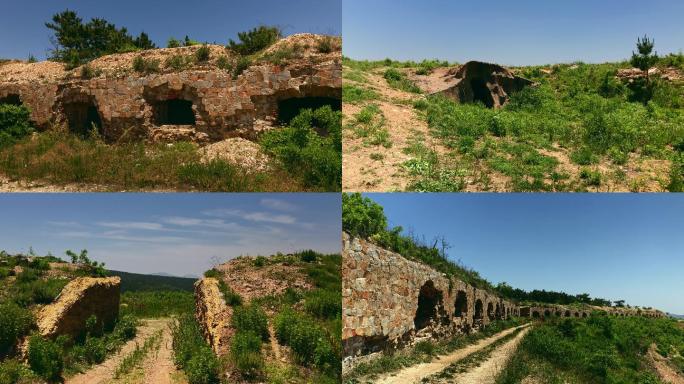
x=23 y=31
x=614 y=246
x=509 y=32
x=179 y=234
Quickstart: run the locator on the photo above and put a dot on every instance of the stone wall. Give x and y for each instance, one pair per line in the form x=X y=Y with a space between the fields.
x=212 y=314
x=389 y=301
x=80 y=299
x=125 y=103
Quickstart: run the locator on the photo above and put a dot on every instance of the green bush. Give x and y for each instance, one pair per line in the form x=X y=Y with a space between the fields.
x=202 y=54
x=142 y=65
x=326 y=44
x=231 y=297
x=242 y=64
x=308 y=256
x=255 y=40
x=173 y=43
x=126 y=327
x=15 y=322
x=95 y=350
x=361 y=216
x=179 y=62
x=224 y=63
x=191 y=352
x=213 y=273
x=397 y=79
x=45 y=358
x=12 y=371
x=316 y=158
x=324 y=304
x=14 y=123
x=250 y=318
x=309 y=342
x=245 y=352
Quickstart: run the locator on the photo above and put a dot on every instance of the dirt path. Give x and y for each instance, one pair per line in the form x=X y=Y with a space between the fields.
x=665 y=371
x=416 y=373
x=360 y=171
x=486 y=372
x=159 y=366
x=104 y=373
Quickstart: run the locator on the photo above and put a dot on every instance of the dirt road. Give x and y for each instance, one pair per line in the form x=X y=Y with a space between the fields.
x=416 y=373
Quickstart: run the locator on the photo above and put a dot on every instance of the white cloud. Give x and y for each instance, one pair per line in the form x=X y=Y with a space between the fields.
x=253 y=216
x=139 y=225
x=277 y=204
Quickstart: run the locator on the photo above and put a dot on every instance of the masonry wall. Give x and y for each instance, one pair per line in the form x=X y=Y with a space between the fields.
x=380 y=301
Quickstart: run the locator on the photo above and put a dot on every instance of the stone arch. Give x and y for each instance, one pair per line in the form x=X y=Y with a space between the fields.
x=558 y=313
x=286 y=104
x=497 y=311
x=577 y=314
x=11 y=99
x=547 y=313
x=567 y=313
x=535 y=314
x=461 y=304
x=490 y=311
x=429 y=306
x=82 y=112
x=479 y=310
x=174 y=106
x=481 y=92
x=584 y=314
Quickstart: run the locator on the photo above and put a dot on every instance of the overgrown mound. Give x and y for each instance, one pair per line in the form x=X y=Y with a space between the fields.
x=283 y=317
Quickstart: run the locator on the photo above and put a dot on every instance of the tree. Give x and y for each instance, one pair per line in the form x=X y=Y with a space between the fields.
x=642 y=88
x=361 y=216
x=255 y=40
x=143 y=42
x=173 y=43
x=619 y=303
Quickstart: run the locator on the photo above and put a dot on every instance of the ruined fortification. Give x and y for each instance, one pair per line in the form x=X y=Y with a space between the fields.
x=80 y=299
x=389 y=302
x=207 y=101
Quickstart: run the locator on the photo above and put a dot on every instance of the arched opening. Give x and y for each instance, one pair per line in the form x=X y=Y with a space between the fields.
x=11 y=99
x=567 y=313
x=479 y=310
x=481 y=92
x=584 y=314
x=490 y=311
x=429 y=303
x=83 y=117
x=577 y=314
x=288 y=109
x=547 y=313
x=558 y=313
x=461 y=304
x=173 y=112
x=535 y=314
x=497 y=311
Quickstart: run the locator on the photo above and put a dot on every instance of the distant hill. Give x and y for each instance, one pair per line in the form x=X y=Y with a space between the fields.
x=681 y=317
x=140 y=282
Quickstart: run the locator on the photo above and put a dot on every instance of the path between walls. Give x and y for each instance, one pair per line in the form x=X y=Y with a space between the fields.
x=416 y=373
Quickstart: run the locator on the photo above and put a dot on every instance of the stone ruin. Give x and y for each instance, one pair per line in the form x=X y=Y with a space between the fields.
x=80 y=299
x=212 y=312
x=389 y=302
x=490 y=84
x=203 y=103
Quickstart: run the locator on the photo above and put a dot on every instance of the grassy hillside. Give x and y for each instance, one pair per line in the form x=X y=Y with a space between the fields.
x=581 y=128
x=598 y=350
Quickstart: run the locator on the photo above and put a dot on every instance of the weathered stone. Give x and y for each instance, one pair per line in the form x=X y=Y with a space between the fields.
x=80 y=299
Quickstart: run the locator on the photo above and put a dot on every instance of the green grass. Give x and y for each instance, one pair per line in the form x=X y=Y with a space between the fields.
x=354 y=95
x=157 y=303
x=135 y=358
x=192 y=353
x=581 y=109
x=597 y=350
x=369 y=124
x=62 y=158
x=398 y=80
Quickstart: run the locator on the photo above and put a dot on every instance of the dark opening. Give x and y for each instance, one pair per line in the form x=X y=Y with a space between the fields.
x=576 y=314
x=490 y=311
x=481 y=93
x=567 y=313
x=584 y=314
x=429 y=299
x=478 y=309
x=288 y=109
x=535 y=314
x=547 y=313
x=558 y=313
x=82 y=118
x=461 y=304
x=498 y=311
x=12 y=99
x=173 y=112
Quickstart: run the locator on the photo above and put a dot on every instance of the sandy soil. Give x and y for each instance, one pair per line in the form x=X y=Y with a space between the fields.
x=360 y=171
x=665 y=371
x=238 y=151
x=416 y=373
x=159 y=367
x=486 y=372
x=104 y=373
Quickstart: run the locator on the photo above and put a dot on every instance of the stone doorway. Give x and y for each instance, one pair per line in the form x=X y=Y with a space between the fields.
x=429 y=303
x=83 y=118
x=481 y=92
x=11 y=99
x=461 y=304
x=173 y=112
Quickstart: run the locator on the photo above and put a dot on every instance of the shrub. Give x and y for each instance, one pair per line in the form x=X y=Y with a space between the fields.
x=192 y=354
x=250 y=318
x=45 y=358
x=14 y=123
x=308 y=256
x=125 y=327
x=173 y=43
x=245 y=352
x=231 y=297
x=425 y=348
x=178 y=62
x=143 y=65
x=203 y=367
x=399 y=80
x=323 y=304
x=11 y=371
x=242 y=64
x=87 y=72
x=202 y=54
x=361 y=216
x=15 y=322
x=316 y=158
x=309 y=342
x=223 y=63
x=255 y=40
x=213 y=273
x=259 y=261
x=326 y=44
x=95 y=350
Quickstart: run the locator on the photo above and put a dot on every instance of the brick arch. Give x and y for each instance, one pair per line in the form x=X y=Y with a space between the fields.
x=461 y=304
x=430 y=306
x=159 y=97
